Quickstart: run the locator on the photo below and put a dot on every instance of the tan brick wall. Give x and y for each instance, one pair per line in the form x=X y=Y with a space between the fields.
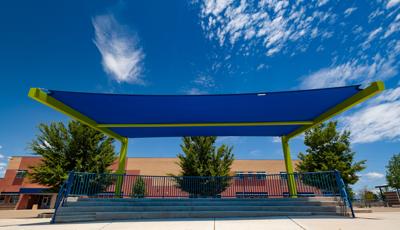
x=164 y=166
x=153 y=166
x=14 y=163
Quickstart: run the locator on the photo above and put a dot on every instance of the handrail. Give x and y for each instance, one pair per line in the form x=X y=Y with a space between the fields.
x=343 y=192
x=63 y=194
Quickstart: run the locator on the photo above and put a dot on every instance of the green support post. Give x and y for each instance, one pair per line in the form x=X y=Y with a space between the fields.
x=289 y=168
x=121 y=166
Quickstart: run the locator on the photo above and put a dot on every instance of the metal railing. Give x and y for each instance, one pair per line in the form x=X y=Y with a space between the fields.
x=311 y=184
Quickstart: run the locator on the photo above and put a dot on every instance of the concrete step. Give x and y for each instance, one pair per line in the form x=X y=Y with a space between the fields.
x=90 y=209
x=75 y=218
x=204 y=203
x=207 y=199
x=84 y=209
x=102 y=216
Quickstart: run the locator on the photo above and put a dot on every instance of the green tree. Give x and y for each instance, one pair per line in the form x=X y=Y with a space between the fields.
x=328 y=150
x=367 y=196
x=139 y=188
x=393 y=172
x=201 y=158
x=76 y=147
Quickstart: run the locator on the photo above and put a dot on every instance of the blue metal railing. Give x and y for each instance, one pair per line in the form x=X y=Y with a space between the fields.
x=343 y=193
x=310 y=184
x=63 y=194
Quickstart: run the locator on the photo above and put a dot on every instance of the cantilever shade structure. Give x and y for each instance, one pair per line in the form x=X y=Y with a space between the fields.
x=285 y=114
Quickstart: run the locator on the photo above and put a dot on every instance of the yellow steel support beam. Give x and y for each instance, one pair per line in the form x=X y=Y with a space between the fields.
x=122 y=156
x=121 y=166
x=271 y=123
x=41 y=96
x=289 y=168
x=361 y=96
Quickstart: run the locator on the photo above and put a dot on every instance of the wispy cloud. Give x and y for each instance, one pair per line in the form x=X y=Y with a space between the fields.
x=349 y=11
x=371 y=36
x=205 y=81
x=122 y=57
x=276 y=139
x=202 y=84
x=231 y=140
x=272 y=24
x=352 y=72
x=1 y=155
x=256 y=153
x=195 y=91
x=374 y=175
x=3 y=165
x=376 y=57
x=392 y=3
x=378 y=120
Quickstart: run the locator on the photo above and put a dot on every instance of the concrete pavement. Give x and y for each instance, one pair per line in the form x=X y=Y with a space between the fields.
x=364 y=221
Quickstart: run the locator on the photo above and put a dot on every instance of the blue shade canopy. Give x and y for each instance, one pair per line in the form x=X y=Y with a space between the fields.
x=205 y=111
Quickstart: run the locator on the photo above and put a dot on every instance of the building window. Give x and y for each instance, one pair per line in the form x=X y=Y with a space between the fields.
x=239 y=175
x=14 y=199
x=250 y=175
x=2 y=199
x=21 y=174
x=261 y=175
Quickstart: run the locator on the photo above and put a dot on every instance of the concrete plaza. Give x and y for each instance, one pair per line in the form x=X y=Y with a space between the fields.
x=364 y=221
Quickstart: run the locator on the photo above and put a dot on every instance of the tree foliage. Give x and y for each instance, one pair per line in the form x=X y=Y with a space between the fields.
x=328 y=150
x=201 y=158
x=76 y=147
x=393 y=171
x=139 y=188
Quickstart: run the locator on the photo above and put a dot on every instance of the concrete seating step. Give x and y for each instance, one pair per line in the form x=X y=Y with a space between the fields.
x=90 y=209
x=79 y=209
x=209 y=199
x=102 y=216
x=208 y=203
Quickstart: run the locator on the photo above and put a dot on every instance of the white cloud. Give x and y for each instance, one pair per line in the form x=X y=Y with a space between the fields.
x=195 y=91
x=205 y=81
x=351 y=73
x=276 y=139
x=349 y=11
x=121 y=55
x=371 y=36
x=231 y=139
x=392 y=3
x=378 y=120
x=269 y=23
x=255 y=152
x=373 y=175
x=3 y=167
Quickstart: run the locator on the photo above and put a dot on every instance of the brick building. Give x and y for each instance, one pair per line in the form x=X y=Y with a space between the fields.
x=18 y=192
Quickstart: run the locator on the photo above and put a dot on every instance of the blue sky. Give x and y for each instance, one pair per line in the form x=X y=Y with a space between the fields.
x=178 y=47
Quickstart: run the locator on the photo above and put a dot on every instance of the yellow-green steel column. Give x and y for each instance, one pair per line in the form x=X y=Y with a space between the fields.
x=121 y=166
x=289 y=167
x=122 y=156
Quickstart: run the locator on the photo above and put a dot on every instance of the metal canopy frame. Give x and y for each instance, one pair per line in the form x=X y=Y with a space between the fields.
x=373 y=89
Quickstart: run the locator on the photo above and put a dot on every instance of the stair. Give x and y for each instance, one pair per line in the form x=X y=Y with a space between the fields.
x=96 y=209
